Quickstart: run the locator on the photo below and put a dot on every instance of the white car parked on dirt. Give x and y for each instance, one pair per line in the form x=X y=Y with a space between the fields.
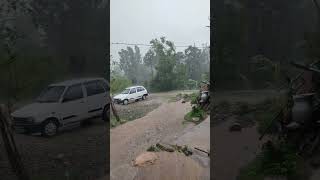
x=131 y=94
x=63 y=104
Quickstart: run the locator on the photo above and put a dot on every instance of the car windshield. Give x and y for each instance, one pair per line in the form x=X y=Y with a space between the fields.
x=126 y=91
x=51 y=94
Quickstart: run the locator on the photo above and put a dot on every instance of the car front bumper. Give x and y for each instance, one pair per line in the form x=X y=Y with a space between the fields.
x=117 y=101
x=22 y=126
x=33 y=128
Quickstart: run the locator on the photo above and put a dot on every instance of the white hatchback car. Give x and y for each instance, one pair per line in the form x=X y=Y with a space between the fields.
x=131 y=94
x=63 y=104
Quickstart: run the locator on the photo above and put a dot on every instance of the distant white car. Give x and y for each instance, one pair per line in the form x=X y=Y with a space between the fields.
x=62 y=104
x=131 y=94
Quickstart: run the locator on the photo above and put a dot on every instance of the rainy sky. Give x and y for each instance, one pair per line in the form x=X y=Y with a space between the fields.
x=139 y=21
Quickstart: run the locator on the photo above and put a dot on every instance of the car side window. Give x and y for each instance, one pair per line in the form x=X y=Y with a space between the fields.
x=133 y=91
x=94 y=88
x=105 y=85
x=73 y=93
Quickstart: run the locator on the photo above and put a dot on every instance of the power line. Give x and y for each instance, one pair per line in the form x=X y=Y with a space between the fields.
x=139 y=44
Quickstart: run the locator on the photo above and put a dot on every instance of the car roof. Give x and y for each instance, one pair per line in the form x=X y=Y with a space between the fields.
x=76 y=81
x=133 y=87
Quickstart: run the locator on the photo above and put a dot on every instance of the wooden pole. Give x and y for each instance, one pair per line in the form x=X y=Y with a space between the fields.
x=10 y=145
x=114 y=111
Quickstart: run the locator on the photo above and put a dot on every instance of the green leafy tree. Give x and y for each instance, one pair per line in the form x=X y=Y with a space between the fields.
x=180 y=71
x=193 y=62
x=149 y=60
x=165 y=78
x=130 y=61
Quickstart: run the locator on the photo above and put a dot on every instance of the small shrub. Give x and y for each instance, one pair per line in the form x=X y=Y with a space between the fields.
x=196 y=112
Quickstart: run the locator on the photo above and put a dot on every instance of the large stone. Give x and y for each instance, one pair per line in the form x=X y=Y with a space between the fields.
x=145 y=158
x=171 y=166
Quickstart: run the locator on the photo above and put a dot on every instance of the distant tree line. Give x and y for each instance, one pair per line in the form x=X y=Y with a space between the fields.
x=162 y=68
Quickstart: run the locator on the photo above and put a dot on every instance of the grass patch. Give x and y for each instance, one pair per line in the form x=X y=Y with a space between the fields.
x=278 y=160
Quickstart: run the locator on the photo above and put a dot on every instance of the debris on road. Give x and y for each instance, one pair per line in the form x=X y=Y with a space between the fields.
x=202 y=151
x=170 y=148
x=164 y=148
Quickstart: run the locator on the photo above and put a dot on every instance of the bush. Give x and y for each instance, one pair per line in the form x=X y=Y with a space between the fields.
x=118 y=83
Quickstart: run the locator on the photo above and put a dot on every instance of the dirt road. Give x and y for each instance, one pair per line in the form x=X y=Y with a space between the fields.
x=128 y=140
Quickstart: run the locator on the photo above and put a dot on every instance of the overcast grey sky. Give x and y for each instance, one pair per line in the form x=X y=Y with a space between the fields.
x=139 y=21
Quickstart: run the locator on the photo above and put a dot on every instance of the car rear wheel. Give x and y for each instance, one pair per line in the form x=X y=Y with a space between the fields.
x=125 y=102
x=49 y=128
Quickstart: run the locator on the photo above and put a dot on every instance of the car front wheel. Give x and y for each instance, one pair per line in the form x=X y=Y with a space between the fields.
x=106 y=113
x=125 y=102
x=49 y=128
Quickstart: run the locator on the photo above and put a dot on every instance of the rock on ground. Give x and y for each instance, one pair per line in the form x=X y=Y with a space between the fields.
x=171 y=166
